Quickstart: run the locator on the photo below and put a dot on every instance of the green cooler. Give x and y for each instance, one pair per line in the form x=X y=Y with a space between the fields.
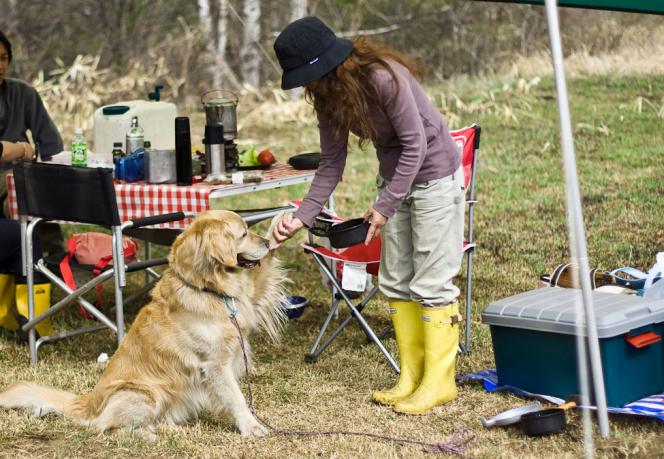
x=533 y=336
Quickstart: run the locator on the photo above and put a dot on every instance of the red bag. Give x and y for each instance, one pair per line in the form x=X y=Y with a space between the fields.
x=93 y=248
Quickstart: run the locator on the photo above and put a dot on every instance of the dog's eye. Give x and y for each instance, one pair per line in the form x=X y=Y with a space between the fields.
x=243 y=235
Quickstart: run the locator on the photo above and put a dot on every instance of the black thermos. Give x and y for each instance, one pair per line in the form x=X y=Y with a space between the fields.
x=182 y=150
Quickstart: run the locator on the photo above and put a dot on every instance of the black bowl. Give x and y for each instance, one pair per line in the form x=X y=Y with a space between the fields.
x=543 y=422
x=348 y=233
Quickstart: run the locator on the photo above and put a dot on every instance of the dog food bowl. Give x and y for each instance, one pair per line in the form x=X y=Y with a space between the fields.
x=293 y=306
x=348 y=233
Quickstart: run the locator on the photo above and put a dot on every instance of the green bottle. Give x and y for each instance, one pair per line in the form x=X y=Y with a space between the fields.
x=79 y=149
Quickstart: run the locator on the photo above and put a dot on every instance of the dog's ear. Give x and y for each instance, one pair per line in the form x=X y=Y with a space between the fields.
x=204 y=244
x=220 y=243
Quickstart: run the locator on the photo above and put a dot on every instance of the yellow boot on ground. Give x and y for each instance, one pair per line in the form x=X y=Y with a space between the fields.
x=441 y=341
x=407 y=320
x=42 y=303
x=7 y=319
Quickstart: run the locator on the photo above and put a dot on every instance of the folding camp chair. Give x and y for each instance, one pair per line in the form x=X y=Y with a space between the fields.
x=468 y=141
x=77 y=195
x=331 y=263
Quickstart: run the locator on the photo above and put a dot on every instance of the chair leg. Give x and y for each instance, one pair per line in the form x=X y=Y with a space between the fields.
x=469 y=286
x=315 y=352
x=314 y=355
x=356 y=313
x=29 y=268
x=119 y=281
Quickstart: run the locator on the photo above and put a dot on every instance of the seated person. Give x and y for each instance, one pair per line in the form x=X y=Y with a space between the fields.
x=12 y=284
x=22 y=110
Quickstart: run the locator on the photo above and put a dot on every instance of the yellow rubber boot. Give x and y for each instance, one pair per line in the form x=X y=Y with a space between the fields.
x=7 y=319
x=42 y=303
x=441 y=341
x=407 y=320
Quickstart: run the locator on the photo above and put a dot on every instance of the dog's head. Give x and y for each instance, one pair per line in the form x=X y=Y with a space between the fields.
x=217 y=241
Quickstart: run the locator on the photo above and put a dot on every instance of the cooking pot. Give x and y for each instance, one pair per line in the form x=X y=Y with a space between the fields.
x=348 y=233
x=221 y=109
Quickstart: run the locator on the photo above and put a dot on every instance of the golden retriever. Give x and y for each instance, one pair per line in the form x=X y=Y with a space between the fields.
x=182 y=354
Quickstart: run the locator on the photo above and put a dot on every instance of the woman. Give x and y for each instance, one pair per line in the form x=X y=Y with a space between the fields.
x=21 y=109
x=372 y=91
x=10 y=260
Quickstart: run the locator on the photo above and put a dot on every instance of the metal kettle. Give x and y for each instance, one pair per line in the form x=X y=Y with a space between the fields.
x=221 y=109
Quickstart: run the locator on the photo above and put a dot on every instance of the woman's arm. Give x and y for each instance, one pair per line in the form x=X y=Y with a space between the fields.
x=330 y=169
x=44 y=132
x=11 y=151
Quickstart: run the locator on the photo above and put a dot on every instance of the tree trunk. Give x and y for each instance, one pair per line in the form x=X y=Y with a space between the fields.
x=222 y=30
x=208 y=35
x=250 y=57
x=298 y=10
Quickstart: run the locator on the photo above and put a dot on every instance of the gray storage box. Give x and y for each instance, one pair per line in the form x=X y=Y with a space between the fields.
x=533 y=336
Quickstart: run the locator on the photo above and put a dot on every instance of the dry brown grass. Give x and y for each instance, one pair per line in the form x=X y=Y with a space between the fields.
x=641 y=52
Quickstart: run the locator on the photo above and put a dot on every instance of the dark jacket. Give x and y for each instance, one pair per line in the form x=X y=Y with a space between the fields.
x=21 y=109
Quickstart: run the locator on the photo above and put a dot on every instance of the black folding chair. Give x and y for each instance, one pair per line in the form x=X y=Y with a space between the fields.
x=52 y=192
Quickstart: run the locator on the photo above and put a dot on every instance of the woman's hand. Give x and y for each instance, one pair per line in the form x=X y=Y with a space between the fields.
x=12 y=151
x=28 y=150
x=377 y=221
x=285 y=229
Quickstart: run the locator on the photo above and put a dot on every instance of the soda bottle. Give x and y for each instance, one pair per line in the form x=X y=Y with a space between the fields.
x=135 y=137
x=79 y=149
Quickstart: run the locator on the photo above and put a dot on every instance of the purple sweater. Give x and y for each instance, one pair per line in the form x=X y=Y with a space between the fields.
x=412 y=145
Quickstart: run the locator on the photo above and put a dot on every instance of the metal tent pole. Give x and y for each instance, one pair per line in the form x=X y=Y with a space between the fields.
x=578 y=247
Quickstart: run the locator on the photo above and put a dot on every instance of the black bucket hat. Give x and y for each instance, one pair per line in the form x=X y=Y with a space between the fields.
x=307 y=49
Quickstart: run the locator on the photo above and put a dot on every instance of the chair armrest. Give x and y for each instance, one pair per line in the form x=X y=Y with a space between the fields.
x=155 y=220
x=140 y=265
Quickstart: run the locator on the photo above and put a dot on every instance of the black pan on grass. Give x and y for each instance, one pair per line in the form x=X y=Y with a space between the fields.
x=544 y=422
x=549 y=421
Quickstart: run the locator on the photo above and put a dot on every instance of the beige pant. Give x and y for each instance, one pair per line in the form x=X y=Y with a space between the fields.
x=422 y=243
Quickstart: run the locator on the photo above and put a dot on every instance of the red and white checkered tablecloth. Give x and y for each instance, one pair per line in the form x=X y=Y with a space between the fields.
x=136 y=200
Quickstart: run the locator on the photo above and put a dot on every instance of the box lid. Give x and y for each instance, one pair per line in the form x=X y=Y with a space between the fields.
x=552 y=309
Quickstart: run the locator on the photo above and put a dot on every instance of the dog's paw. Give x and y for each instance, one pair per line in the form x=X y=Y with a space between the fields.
x=252 y=428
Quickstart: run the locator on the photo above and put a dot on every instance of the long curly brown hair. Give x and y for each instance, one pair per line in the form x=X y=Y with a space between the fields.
x=345 y=94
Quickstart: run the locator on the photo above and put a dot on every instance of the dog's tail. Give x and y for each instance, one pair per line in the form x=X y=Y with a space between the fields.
x=39 y=400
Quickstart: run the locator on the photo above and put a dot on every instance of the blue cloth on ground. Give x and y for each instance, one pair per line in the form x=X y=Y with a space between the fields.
x=652 y=406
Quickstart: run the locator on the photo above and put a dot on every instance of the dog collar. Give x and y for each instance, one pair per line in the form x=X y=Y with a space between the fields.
x=232 y=308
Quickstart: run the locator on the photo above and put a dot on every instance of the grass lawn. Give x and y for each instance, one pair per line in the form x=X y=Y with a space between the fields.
x=521 y=232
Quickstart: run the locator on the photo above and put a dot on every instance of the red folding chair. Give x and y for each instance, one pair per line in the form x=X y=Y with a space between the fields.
x=331 y=263
x=468 y=141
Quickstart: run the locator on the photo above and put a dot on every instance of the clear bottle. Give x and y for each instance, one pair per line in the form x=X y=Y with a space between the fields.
x=135 y=137
x=79 y=149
